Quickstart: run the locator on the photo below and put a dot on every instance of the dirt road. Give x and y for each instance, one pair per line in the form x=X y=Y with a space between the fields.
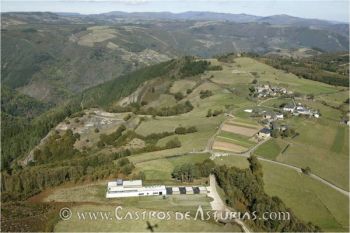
x=219 y=205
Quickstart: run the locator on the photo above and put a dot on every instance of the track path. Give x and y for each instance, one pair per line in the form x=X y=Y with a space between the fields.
x=247 y=153
x=219 y=205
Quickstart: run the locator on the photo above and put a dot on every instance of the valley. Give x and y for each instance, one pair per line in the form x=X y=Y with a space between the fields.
x=171 y=120
x=170 y=115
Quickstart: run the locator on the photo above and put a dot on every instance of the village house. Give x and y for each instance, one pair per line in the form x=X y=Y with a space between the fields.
x=279 y=115
x=289 y=108
x=266 y=90
x=264 y=133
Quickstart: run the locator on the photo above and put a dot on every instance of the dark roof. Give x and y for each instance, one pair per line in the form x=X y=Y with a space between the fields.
x=169 y=190
x=265 y=130
x=182 y=190
x=196 y=190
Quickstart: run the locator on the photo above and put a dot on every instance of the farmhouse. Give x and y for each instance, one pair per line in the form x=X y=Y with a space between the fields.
x=264 y=133
x=263 y=91
x=279 y=115
x=133 y=188
x=289 y=108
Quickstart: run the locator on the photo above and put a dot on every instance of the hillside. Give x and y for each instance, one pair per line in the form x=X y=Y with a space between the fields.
x=331 y=68
x=245 y=113
x=51 y=57
x=154 y=122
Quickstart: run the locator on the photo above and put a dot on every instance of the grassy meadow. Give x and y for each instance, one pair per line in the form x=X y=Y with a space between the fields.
x=310 y=200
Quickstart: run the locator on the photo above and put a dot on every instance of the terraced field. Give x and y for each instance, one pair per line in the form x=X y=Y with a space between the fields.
x=236 y=136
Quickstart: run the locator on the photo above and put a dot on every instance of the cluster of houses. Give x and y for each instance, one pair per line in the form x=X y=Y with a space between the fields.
x=300 y=110
x=264 y=91
x=134 y=188
x=270 y=118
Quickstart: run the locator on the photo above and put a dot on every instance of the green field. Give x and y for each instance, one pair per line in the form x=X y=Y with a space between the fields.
x=182 y=86
x=279 y=77
x=271 y=149
x=98 y=203
x=309 y=199
x=235 y=138
x=160 y=169
x=323 y=146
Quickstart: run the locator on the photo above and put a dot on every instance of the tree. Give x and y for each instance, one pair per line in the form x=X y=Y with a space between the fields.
x=275 y=133
x=306 y=170
x=205 y=94
x=255 y=166
x=173 y=143
x=209 y=113
x=180 y=130
x=178 y=96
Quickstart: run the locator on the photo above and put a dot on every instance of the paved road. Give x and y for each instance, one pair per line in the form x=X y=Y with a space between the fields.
x=219 y=205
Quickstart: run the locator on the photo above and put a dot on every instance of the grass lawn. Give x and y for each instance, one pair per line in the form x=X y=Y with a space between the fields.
x=271 y=149
x=279 y=77
x=323 y=145
x=309 y=199
x=160 y=169
x=163 y=100
x=235 y=138
x=175 y=203
x=339 y=142
x=182 y=86
x=140 y=225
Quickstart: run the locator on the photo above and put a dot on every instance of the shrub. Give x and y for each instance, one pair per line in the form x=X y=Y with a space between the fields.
x=178 y=96
x=205 y=94
x=173 y=143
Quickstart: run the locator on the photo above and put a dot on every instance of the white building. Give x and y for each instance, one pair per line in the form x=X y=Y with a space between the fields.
x=133 y=188
x=289 y=108
x=279 y=115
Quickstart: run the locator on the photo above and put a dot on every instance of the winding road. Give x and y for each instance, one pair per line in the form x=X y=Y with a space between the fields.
x=247 y=153
x=298 y=169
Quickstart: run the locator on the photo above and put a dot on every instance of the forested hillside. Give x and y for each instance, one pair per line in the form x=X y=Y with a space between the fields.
x=330 y=68
x=51 y=57
x=20 y=134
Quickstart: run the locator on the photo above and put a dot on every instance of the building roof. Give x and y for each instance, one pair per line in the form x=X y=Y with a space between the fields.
x=122 y=183
x=132 y=183
x=289 y=105
x=265 y=131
